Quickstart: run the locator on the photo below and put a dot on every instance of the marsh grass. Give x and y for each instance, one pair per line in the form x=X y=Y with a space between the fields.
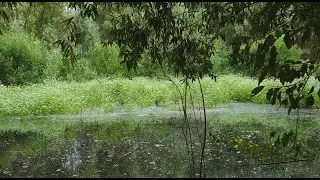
x=53 y=97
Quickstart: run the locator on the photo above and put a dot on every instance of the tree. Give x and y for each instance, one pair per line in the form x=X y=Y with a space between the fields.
x=269 y=22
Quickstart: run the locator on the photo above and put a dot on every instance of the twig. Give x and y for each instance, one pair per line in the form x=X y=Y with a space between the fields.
x=205 y=129
x=274 y=163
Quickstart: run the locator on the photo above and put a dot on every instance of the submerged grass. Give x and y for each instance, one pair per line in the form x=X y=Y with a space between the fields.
x=71 y=98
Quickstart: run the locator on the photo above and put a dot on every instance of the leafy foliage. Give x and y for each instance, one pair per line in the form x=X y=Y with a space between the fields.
x=105 y=60
x=294 y=73
x=23 y=59
x=181 y=33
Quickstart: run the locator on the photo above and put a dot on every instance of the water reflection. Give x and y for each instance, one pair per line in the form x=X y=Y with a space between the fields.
x=78 y=153
x=144 y=153
x=85 y=157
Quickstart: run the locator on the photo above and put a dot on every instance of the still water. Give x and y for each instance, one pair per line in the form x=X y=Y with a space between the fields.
x=150 y=143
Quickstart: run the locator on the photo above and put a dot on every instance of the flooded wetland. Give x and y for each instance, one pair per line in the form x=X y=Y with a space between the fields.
x=149 y=143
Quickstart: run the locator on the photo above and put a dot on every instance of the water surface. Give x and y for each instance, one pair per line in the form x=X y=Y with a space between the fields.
x=148 y=142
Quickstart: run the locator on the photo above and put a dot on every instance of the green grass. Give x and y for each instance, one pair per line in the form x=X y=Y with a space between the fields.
x=54 y=97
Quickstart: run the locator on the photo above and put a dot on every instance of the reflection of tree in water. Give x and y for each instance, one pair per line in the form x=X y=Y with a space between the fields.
x=78 y=154
x=138 y=156
x=144 y=155
x=115 y=161
x=146 y=160
x=159 y=158
x=52 y=161
x=73 y=158
x=17 y=163
x=43 y=164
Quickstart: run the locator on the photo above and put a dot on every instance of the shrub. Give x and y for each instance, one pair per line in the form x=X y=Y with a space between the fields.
x=284 y=54
x=220 y=59
x=88 y=32
x=81 y=71
x=148 y=68
x=105 y=60
x=22 y=58
x=56 y=70
x=54 y=64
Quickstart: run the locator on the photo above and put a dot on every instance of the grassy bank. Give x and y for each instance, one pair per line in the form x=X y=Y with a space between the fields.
x=71 y=98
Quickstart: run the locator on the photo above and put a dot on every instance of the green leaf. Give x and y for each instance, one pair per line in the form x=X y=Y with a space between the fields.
x=289 y=90
x=293 y=103
x=274 y=97
x=272 y=59
x=279 y=97
x=296 y=62
x=304 y=68
x=298 y=148
x=289 y=110
x=4 y=15
x=300 y=86
x=291 y=133
x=260 y=59
x=263 y=75
x=290 y=62
x=285 y=139
x=247 y=49
x=256 y=90
x=282 y=76
x=311 y=90
x=284 y=102
x=269 y=94
x=273 y=51
x=272 y=134
x=288 y=41
x=68 y=21
x=270 y=40
x=236 y=48
x=278 y=33
x=309 y=101
x=277 y=142
x=311 y=67
x=306 y=35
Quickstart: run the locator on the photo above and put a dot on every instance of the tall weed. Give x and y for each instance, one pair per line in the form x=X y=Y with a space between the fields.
x=54 y=97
